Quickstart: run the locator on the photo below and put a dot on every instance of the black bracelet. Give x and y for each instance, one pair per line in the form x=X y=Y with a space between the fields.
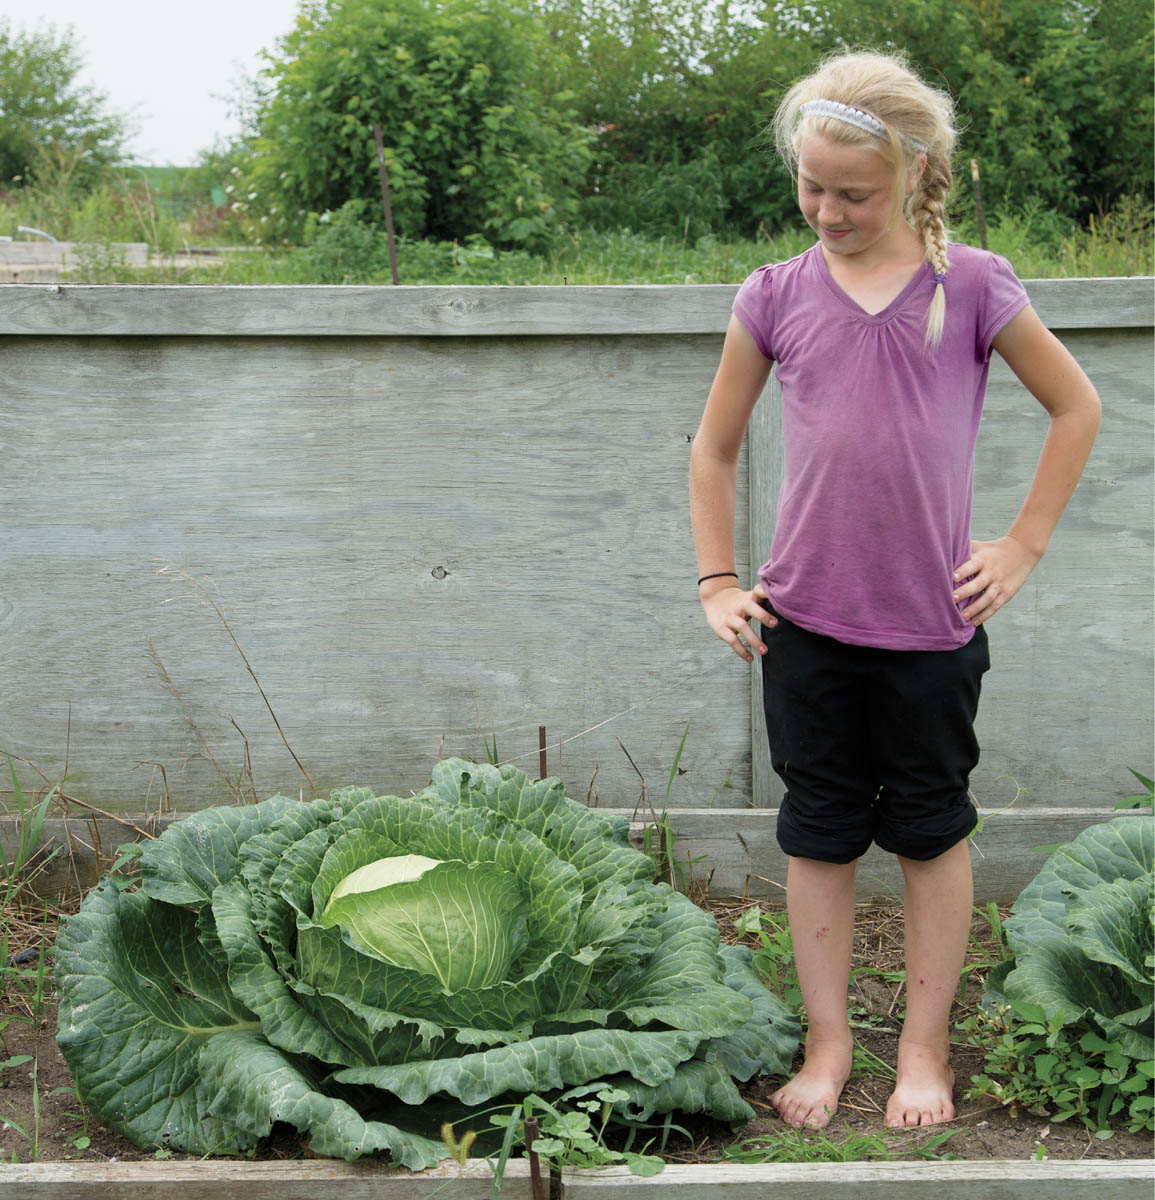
x=717 y=575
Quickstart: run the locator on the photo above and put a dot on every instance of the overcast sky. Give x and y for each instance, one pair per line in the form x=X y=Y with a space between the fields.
x=171 y=68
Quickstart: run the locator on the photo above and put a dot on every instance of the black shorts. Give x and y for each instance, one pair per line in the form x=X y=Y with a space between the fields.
x=873 y=745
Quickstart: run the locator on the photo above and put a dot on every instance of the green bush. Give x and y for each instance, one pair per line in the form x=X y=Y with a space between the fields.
x=470 y=146
x=46 y=109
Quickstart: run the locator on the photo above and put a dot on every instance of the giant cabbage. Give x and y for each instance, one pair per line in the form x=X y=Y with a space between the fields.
x=366 y=967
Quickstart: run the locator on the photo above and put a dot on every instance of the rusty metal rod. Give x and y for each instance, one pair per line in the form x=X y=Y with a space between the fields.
x=535 y=1181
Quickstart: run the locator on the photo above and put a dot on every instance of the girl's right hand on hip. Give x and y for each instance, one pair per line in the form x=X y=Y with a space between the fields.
x=729 y=612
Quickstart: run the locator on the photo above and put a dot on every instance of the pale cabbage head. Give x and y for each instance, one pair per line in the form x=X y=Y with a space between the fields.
x=462 y=923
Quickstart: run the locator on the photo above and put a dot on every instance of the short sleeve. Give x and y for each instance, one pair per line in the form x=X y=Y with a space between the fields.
x=754 y=307
x=1002 y=296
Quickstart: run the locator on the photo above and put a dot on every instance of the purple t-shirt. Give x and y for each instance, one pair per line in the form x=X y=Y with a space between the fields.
x=875 y=509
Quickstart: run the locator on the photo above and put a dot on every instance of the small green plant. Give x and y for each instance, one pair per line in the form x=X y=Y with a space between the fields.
x=659 y=837
x=1020 y=792
x=799 y=1146
x=1059 y=1071
x=30 y=1132
x=572 y=1131
x=1143 y=799
x=29 y=826
x=998 y=935
x=24 y=986
x=79 y=1141
x=774 y=954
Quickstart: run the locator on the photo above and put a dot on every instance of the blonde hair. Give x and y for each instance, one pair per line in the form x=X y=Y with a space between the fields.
x=916 y=119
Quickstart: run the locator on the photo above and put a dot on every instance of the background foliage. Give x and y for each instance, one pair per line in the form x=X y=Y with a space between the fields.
x=1054 y=97
x=470 y=146
x=513 y=125
x=45 y=115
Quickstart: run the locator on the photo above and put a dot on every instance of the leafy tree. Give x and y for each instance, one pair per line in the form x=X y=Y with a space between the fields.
x=1054 y=98
x=680 y=92
x=470 y=145
x=44 y=109
x=1054 y=95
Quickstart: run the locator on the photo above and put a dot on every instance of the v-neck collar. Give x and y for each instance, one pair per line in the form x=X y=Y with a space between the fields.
x=878 y=318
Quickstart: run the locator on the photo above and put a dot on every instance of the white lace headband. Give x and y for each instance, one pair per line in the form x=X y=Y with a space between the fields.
x=856 y=117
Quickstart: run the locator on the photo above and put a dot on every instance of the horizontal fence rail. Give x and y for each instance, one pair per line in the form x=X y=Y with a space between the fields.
x=382 y=525
x=995 y=1180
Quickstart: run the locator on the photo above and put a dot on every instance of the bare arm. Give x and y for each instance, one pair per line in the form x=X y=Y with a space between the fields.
x=741 y=376
x=1045 y=367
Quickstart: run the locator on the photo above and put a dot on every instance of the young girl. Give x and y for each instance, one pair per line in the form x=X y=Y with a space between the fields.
x=873 y=602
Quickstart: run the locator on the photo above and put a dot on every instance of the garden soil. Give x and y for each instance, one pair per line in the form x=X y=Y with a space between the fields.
x=40 y=1118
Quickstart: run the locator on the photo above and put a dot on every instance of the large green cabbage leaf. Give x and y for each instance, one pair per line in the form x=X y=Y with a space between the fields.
x=1083 y=936
x=247 y=983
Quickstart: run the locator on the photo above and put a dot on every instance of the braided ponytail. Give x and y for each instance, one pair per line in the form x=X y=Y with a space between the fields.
x=927 y=212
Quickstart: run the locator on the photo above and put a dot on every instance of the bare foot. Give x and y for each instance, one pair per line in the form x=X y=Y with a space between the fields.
x=810 y=1099
x=923 y=1093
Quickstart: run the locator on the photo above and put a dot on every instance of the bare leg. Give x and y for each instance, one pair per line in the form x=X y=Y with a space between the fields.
x=939 y=898
x=820 y=902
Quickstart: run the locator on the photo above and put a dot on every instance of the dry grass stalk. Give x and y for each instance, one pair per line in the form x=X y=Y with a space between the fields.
x=206 y=598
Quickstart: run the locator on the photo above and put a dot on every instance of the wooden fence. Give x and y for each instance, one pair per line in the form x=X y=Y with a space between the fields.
x=382 y=525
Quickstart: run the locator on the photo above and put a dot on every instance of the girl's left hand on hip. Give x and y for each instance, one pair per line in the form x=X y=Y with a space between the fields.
x=991 y=576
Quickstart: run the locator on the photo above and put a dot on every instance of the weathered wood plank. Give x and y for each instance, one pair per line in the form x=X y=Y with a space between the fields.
x=739 y=856
x=425 y=542
x=1121 y=303
x=316 y=311
x=67 y=254
x=321 y=311
x=420 y=544
x=1002 y=1180
x=864 y=1181
x=733 y=851
x=226 y=1180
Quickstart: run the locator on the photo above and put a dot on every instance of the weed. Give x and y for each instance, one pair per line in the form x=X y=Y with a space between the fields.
x=659 y=837
x=774 y=954
x=866 y=1062
x=24 y=987
x=998 y=812
x=1144 y=799
x=1061 y=1071
x=30 y=1132
x=572 y=1132
x=14 y=871
x=79 y=1141
x=798 y=1146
